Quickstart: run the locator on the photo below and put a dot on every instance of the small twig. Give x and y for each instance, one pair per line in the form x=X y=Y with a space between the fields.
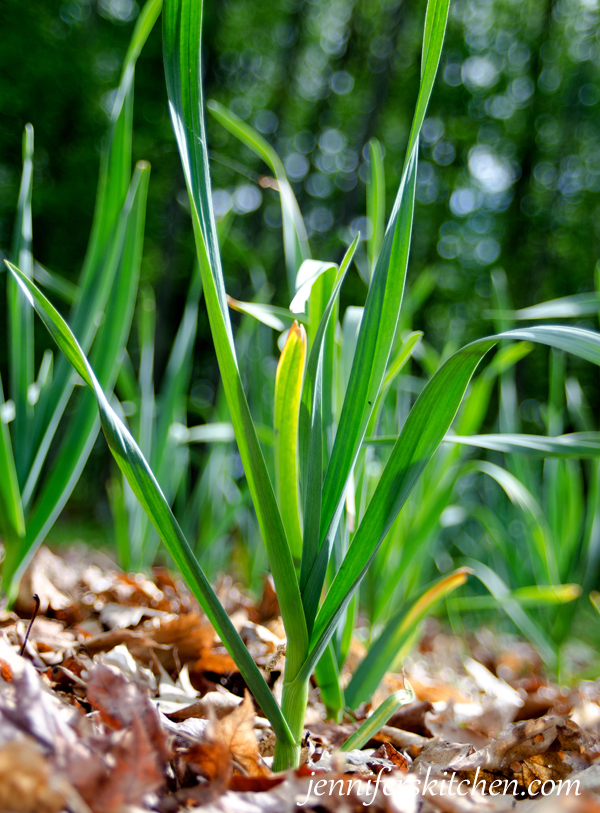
x=36 y=598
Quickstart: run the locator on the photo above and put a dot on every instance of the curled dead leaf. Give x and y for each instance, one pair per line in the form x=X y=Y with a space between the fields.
x=387 y=751
x=236 y=732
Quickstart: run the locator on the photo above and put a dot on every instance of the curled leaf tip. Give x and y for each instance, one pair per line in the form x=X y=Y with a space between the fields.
x=297 y=331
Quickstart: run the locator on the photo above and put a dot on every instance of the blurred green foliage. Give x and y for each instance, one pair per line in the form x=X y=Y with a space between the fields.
x=510 y=158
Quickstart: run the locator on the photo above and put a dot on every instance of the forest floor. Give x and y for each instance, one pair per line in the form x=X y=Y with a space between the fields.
x=125 y=700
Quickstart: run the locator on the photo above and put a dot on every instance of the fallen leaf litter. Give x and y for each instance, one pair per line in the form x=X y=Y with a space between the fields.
x=126 y=701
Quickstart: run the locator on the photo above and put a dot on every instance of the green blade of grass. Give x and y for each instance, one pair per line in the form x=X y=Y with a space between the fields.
x=12 y=521
x=120 y=517
x=381 y=314
x=83 y=430
x=104 y=246
x=575 y=444
x=146 y=406
x=295 y=241
x=425 y=427
x=391 y=645
x=173 y=391
x=375 y=203
x=375 y=339
x=20 y=323
x=535 y=519
x=170 y=467
x=307 y=279
x=146 y=330
x=379 y=718
x=350 y=329
x=327 y=674
x=205 y=433
x=115 y=164
x=407 y=348
x=288 y=388
x=476 y=404
x=55 y=283
x=382 y=308
x=538 y=595
x=182 y=35
x=64 y=380
x=139 y=476
x=314 y=285
x=520 y=617
x=270 y=315
x=310 y=435
x=567 y=307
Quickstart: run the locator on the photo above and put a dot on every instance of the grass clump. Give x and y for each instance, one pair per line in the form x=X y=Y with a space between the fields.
x=328 y=398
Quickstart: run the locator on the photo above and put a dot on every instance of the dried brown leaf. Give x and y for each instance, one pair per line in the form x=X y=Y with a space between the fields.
x=26 y=784
x=412 y=718
x=236 y=733
x=435 y=691
x=255 y=784
x=219 y=663
x=213 y=704
x=138 y=770
x=121 y=705
x=139 y=643
x=387 y=751
x=572 y=738
x=516 y=743
x=6 y=672
x=118 y=616
x=189 y=635
x=439 y=756
x=28 y=706
x=210 y=760
x=543 y=767
x=268 y=607
x=53 y=581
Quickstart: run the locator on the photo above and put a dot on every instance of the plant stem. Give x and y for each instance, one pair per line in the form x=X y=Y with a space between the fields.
x=293 y=705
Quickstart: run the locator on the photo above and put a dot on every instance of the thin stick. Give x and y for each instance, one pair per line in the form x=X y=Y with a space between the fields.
x=36 y=598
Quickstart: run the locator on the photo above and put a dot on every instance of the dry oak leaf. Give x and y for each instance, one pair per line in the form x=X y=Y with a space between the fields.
x=213 y=704
x=121 y=705
x=189 y=634
x=136 y=755
x=516 y=743
x=269 y=605
x=255 y=784
x=236 y=733
x=53 y=581
x=210 y=760
x=572 y=738
x=137 y=769
x=435 y=691
x=412 y=718
x=6 y=672
x=387 y=751
x=139 y=644
x=218 y=663
x=543 y=767
x=28 y=706
x=26 y=782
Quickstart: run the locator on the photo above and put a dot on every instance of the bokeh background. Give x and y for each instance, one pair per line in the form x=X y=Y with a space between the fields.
x=509 y=173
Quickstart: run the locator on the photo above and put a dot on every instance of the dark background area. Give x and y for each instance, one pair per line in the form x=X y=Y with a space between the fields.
x=509 y=174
